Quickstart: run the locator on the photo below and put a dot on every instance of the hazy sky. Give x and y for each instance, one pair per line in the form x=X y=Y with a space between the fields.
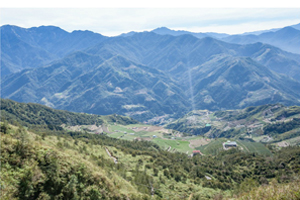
x=112 y=21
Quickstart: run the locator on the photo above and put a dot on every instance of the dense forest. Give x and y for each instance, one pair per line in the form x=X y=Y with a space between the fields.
x=282 y=127
x=36 y=114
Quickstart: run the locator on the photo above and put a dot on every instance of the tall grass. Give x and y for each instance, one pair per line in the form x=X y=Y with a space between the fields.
x=274 y=191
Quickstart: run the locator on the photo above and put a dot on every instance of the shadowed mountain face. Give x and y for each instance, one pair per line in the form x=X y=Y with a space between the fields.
x=146 y=75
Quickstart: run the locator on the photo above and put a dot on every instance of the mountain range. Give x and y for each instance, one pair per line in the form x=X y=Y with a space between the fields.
x=167 y=31
x=287 y=38
x=149 y=76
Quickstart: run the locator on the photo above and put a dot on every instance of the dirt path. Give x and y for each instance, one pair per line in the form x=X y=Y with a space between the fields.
x=109 y=154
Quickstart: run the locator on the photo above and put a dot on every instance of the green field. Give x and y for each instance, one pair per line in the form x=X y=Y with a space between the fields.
x=214 y=147
x=119 y=128
x=254 y=147
x=146 y=134
x=293 y=141
x=179 y=145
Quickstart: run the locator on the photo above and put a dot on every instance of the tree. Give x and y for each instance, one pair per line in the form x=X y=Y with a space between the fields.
x=70 y=191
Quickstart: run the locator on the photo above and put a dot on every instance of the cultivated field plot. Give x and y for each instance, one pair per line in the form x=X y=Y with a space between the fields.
x=116 y=134
x=292 y=141
x=214 y=147
x=258 y=138
x=119 y=128
x=254 y=147
x=199 y=141
x=179 y=145
x=148 y=134
x=136 y=131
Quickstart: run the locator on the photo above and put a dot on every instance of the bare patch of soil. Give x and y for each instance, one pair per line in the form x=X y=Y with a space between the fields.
x=150 y=129
x=91 y=128
x=198 y=143
x=283 y=144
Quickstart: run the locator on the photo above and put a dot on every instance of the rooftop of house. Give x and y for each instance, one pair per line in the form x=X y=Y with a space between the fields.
x=230 y=143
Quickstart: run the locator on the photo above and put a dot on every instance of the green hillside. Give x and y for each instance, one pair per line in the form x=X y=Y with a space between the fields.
x=65 y=164
x=29 y=114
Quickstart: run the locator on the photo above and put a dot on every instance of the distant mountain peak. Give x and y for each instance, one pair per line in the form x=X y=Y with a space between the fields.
x=296 y=26
x=47 y=28
x=162 y=28
x=288 y=29
x=9 y=26
x=165 y=31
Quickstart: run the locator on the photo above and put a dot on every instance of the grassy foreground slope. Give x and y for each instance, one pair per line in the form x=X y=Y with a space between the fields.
x=273 y=191
x=76 y=166
x=57 y=168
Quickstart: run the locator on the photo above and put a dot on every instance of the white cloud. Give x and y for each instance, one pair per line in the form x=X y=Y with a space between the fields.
x=151 y=4
x=113 y=21
x=242 y=27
